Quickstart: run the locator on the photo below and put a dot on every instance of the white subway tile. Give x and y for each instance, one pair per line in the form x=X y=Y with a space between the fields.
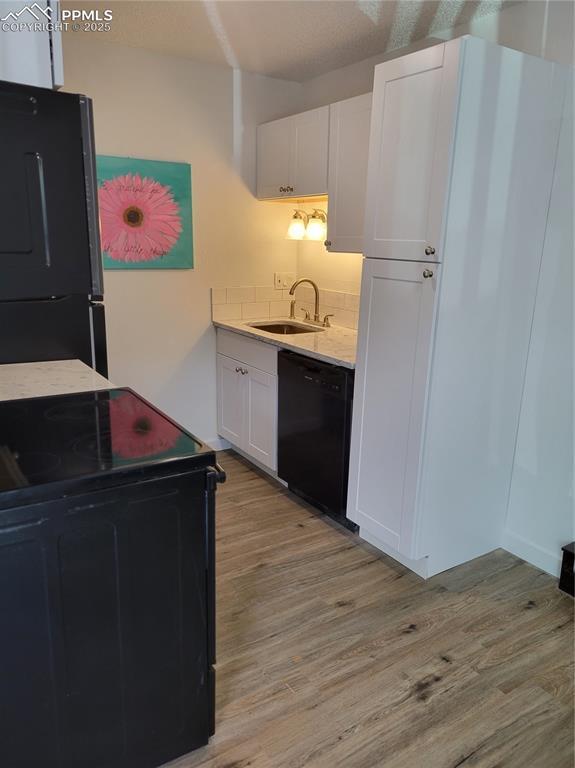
x=344 y=317
x=268 y=293
x=255 y=309
x=279 y=308
x=218 y=295
x=227 y=312
x=241 y=294
x=333 y=298
x=351 y=301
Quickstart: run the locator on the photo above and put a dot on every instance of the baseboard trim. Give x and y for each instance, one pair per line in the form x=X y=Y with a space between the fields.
x=419 y=567
x=218 y=444
x=532 y=553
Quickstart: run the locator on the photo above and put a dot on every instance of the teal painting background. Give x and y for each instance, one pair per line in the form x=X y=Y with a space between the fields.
x=178 y=177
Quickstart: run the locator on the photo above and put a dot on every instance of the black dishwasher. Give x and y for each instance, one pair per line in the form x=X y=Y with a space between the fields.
x=314 y=426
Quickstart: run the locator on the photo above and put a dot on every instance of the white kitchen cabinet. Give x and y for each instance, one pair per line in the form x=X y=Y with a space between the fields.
x=413 y=114
x=247 y=396
x=231 y=400
x=349 y=128
x=396 y=324
x=292 y=155
x=26 y=56
x=260 y=430
x=274 y=148
x=441 y=359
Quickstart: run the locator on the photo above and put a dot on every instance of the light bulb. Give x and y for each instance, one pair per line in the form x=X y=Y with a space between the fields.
x=316 y=227
x=297 y=225
x=296 y=229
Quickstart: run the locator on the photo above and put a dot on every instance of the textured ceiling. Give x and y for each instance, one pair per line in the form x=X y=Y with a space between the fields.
x=291 y=39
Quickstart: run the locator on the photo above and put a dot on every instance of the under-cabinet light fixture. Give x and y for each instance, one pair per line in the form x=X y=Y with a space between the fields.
x=297 y=226
x=317 y=225
x=308 y=226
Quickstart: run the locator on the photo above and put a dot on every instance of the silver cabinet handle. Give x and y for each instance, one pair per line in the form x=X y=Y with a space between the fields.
x=327 y=243
x=427 y=273
x=430 y=250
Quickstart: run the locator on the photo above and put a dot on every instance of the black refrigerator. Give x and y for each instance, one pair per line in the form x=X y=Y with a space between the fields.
x=51 y=286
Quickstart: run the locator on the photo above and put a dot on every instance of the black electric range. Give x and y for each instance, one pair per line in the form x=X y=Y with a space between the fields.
x=107 y=583
x=88 y=439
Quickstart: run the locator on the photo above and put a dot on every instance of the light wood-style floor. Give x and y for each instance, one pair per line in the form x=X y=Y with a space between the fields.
x=331 y=655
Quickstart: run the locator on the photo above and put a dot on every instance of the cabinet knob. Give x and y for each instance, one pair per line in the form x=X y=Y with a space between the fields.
x=282 y=189
x=289 y=189
x=327 y=243
x=430 y=250
x=427 y=273
x=238 y=370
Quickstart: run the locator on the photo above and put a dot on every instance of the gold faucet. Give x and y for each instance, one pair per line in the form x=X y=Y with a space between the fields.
x=316 y=289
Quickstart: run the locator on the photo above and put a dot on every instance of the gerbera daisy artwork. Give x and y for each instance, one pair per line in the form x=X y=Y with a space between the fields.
x=145 y=213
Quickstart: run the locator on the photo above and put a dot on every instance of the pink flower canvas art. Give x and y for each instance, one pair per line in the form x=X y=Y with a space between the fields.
x=145 y=213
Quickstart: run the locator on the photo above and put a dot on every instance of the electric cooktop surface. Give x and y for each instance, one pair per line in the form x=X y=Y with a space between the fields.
x=65 y=437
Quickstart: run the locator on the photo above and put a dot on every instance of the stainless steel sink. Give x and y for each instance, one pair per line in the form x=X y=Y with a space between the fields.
x=284 y=329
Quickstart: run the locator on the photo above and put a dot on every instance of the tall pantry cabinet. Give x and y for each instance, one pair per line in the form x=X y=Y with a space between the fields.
x=462 y=149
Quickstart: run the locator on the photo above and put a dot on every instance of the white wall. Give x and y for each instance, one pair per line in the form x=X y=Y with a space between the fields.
x=160 y=338
x=541 y=514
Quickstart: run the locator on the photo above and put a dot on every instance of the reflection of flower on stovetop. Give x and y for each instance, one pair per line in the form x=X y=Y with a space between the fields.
x=139 y=431
x=139 y=218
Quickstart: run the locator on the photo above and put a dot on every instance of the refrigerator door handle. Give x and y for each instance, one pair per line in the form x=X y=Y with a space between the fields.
x=98 y=338
x=92 y=211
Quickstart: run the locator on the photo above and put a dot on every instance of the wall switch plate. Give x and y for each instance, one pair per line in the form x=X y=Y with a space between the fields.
x=284 y=279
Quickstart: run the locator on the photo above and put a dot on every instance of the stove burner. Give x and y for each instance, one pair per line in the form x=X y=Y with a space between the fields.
x=14 y=411
x=95 y=447
x=37 y=463
x=78 y=411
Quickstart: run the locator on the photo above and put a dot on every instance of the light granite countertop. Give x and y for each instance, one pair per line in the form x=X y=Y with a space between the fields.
x=58 y=377
x=335 y=345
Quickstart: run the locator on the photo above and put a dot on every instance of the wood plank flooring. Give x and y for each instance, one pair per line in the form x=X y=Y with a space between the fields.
x=332 y=655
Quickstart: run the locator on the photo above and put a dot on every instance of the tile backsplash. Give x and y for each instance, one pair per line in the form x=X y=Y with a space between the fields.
x=257 y=302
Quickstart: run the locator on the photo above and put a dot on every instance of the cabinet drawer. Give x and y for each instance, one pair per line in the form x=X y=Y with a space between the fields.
x=255 y=353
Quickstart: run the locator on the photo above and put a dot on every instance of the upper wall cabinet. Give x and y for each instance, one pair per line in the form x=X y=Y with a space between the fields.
x=349 y=123
x=414 y=103
x=30 y=57
x=292 y=155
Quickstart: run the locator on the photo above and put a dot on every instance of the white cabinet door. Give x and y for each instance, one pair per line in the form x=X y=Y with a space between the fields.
x=394 y=340
x=349 y=123
x=310 y=131
x=30 y=57
x=274 y=148
x=231 y=408
x=261 y=417
x=413 y=113
x=247 y=409
x=292 y=155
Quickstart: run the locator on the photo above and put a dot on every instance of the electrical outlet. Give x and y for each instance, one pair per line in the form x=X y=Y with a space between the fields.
x=284 y=279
